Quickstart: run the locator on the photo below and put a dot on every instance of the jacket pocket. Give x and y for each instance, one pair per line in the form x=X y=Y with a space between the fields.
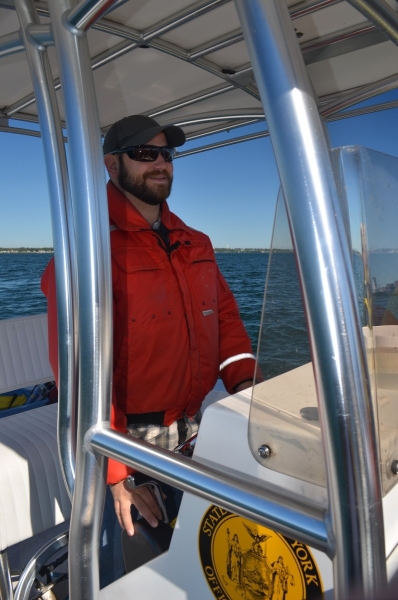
x=143 y=288
x=203 y=281
x=131 y=259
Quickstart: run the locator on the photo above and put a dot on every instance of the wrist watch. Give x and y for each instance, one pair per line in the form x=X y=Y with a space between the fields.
x=130 y=482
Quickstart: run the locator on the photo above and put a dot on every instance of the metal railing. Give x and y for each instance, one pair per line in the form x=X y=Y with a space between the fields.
x=269 y=505
x=61 y=215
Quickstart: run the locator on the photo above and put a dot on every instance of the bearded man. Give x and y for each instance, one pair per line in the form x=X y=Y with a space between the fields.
x=176 y=323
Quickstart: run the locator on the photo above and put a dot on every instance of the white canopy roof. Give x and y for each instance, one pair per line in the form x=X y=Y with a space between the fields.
x=179 y=60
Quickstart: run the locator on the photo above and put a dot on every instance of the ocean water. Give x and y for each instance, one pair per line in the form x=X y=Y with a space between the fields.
x=20 y=292
x=245 y=274
x=284 y=342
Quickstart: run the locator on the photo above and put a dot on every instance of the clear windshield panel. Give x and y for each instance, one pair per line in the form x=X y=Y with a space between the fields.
x=377 y=235
x=284 y=411
x=284 y=408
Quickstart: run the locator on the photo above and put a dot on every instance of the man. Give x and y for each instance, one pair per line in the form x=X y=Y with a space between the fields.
x=176 y=322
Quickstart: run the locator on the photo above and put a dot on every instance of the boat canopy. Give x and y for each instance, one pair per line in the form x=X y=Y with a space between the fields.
x=187 y=62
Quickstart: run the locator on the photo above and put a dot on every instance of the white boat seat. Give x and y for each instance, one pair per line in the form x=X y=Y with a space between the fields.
x=33 y=496
x=24 y=352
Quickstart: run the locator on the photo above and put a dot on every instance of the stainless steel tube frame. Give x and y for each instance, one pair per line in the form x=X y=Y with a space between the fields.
x=11 y=44
x=36 y=563
x=54 y=153
x=40 y=34
x=6 y=591
x=91 y=226
x=323 y=256
x=381 y=14
x=269 y=506
x=359 y=95
x=87 y=12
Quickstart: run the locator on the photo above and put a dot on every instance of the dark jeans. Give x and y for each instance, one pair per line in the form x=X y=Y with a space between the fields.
x=111 y=556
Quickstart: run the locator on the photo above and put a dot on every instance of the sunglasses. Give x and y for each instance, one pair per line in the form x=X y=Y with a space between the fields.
x=148 y=153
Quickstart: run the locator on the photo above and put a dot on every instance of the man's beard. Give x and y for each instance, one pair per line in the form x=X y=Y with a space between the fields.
x=138 y=187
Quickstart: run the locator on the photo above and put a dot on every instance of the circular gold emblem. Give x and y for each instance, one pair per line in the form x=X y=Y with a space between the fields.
x=243 y=560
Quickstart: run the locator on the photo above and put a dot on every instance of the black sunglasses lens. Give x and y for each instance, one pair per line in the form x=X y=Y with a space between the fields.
x=168 y=153
x=143 y=154
x=150 y=153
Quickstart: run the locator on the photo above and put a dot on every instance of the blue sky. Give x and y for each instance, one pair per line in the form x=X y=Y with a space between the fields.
x=228 y=193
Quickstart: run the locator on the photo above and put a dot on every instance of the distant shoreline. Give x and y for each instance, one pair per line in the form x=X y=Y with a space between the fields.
x=247 y=250
x=216 y=250
x=26 y=250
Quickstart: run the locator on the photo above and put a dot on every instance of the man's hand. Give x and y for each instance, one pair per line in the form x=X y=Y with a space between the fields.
x=142 y=499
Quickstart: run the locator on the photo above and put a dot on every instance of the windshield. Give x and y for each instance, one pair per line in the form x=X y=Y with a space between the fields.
x=284 y=412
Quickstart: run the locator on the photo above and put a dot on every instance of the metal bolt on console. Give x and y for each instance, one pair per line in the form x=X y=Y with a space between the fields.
x=264 y=451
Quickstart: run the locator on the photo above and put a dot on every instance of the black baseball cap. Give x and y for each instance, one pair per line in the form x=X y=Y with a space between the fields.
x=139 y=129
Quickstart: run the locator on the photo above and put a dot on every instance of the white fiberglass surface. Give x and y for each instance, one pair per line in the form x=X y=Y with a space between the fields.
x=284 y=413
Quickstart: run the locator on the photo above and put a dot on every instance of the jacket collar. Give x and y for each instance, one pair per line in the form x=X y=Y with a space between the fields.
x=125 y=216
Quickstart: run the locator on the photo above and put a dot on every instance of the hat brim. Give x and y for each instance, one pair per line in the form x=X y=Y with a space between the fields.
x=174 y=135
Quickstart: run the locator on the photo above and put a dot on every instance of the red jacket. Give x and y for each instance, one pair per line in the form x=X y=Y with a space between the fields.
x=176 y=321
